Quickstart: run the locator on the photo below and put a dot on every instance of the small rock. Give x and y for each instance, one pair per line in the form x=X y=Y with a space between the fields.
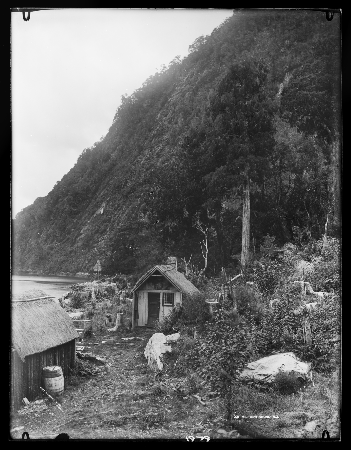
x=16 y=429
x=311 y=426
x=233 y=432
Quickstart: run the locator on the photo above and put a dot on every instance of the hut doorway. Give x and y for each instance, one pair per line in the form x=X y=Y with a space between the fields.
x=153 y=308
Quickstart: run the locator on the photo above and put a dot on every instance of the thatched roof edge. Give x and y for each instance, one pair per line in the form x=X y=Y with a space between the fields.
x=38 y=325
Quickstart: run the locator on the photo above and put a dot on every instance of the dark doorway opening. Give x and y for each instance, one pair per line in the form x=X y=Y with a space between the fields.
x=153 y=308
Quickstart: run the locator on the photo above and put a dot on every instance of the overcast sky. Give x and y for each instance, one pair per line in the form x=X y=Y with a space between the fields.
x=70 y=68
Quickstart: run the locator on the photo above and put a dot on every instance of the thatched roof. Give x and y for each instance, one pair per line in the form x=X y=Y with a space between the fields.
x=173 y=276
x=38 y=325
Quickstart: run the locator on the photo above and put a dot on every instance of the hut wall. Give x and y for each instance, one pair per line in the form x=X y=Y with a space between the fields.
x=142 y=302
x=26 y=377
x=165 y=310
x=17 y=380
x=142 y=308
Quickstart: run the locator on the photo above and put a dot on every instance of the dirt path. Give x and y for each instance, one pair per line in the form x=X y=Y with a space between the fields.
x=123 y=402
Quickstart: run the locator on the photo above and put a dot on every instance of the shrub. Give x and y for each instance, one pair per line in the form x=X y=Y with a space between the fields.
x=77 y=301
x=88 y=332
x=170 y=324
x=249 y=302
x=267 y=274
x=90 y=313
x=187 y=356
x=195 y=309
x=281 y=330
x=224 y=349
x=98 y=321
x=326 y=266
x=325 y=323
x=287 y=383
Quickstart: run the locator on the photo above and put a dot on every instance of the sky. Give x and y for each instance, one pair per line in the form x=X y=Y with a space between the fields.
x=69 y=69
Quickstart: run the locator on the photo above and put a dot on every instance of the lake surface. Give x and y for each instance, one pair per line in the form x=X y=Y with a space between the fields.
x=54 y=286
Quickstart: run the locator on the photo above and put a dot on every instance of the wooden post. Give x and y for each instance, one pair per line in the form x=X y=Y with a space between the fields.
x=245 y=240
x=306 y=330
x=133 y=302
x=325 y=238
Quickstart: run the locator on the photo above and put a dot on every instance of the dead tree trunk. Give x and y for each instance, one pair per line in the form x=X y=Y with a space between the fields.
x=204 y=243
x=336 y=187
x=325 y=236
x=245 y=241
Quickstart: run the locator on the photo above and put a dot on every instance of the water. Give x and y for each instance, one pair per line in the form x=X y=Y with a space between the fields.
x=53 y=286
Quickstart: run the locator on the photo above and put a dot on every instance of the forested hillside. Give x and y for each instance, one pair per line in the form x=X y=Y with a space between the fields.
x=246 y=127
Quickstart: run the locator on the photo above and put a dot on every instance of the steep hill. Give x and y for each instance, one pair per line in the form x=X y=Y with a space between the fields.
x=259 y=96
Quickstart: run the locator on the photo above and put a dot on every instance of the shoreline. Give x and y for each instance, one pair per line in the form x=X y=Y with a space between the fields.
x=59 y=274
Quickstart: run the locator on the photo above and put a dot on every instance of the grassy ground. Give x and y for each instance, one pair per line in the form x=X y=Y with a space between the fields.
x=302 y=415
x=126 y=401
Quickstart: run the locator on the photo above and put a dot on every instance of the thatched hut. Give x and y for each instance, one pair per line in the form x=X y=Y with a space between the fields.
x=43 y=334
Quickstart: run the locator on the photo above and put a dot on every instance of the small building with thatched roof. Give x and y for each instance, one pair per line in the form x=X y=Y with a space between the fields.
x=156 y=293
x=43 y=334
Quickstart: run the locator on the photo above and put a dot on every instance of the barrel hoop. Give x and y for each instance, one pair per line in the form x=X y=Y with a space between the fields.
x=52 y=375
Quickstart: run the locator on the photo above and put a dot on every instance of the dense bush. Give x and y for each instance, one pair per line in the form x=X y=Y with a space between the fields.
x=281 y=330
x=326 y=266
x=325 y=324
x=77 y=301
x=187 y=355
x=170 y=323
x=88 y=332
x=196 y=310
x=193 y=311
x=287 y=383
x=267 y=274
x=225 y=348
x=249 y=302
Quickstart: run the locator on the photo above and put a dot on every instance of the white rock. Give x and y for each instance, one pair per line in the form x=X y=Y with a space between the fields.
x=156 y=347
x=266 y=369
x=311 y=426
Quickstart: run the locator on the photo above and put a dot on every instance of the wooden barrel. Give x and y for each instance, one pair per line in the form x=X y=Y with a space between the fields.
x=53 y=380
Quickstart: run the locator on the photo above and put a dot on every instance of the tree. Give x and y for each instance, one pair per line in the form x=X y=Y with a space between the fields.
x=245 y=110
x=245 y=246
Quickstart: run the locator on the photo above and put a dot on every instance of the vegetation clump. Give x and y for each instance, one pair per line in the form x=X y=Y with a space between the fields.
x=287 y=383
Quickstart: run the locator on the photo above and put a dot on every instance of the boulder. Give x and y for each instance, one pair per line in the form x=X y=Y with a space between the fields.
x=158 y=345
x=265 y=369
